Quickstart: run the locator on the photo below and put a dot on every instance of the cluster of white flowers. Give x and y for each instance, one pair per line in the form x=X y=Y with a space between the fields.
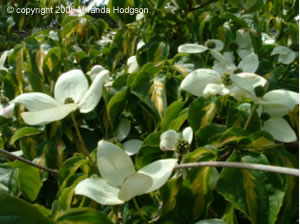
x=120 y=182
x=225 y=78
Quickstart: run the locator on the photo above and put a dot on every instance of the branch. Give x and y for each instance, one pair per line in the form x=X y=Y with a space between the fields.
x=12 y=156
x=267 y=168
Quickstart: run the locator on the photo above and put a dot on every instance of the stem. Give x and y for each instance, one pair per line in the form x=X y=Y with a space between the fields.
x=136 y=205
x=206 y=57
x=85 y=151
x=12 y=156
x=250 y=116
x=267 y=168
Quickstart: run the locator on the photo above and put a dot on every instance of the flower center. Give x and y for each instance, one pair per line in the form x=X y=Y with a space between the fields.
x=265 y=116
x=182 y=145
x=211 y=45
x=226 y=79
x=259 y=91
x=68 y=100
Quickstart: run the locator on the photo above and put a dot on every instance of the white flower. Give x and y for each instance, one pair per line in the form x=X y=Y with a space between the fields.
x=211 y=44
x=169 y=138
x=214 y=44
x=207 y=82
x=225 y=63
x=7 y=111
x=71 y=92
x=120 y=182
x=286 y=55
x=272 y=107
x=244 y=43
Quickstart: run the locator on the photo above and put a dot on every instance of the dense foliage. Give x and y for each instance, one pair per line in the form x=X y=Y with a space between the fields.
x=109 y=106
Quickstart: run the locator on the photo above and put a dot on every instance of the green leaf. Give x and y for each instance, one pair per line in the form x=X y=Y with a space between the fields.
x=178 y=202
x=69 y=168
x=17 y=211
x=259 y=141
x=65 y=195
x=289 y=211
x=259 y=195
x=230 y=136
x=116 y=105
x=52 y=154
x=201 y=112
x=30 y=180
x=204 y=135
x=140 y=85
x=9 y=179
x=24 y=132
x=201 y=181
x=83 y=216
x=171 y=114
x=156 y=52
x=179 y=121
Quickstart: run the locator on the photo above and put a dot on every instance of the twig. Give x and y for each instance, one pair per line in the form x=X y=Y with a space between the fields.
x=250 y=116
x=267 y=168
x=12 y=156
x=84 y=150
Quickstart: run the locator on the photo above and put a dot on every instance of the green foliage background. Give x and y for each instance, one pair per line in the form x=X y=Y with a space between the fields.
x=29 y=195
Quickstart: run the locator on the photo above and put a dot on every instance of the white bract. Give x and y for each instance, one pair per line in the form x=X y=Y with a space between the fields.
x=212 y=44
x=132 y=63
x=286 y=55
x=71 y=92
x=132 y=146
x=7 y=111
x=272 y=107
x=123 y=129
x=244 y=42
x=225 y=63
x=169 y=138
x=120 y=182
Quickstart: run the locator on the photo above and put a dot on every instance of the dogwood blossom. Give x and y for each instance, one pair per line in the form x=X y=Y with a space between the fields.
x=120 y=182
x=212 y=44
x=286 y=55
x=272 y=107
x=207 y=82
x=169 y=138
x=71 y=92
